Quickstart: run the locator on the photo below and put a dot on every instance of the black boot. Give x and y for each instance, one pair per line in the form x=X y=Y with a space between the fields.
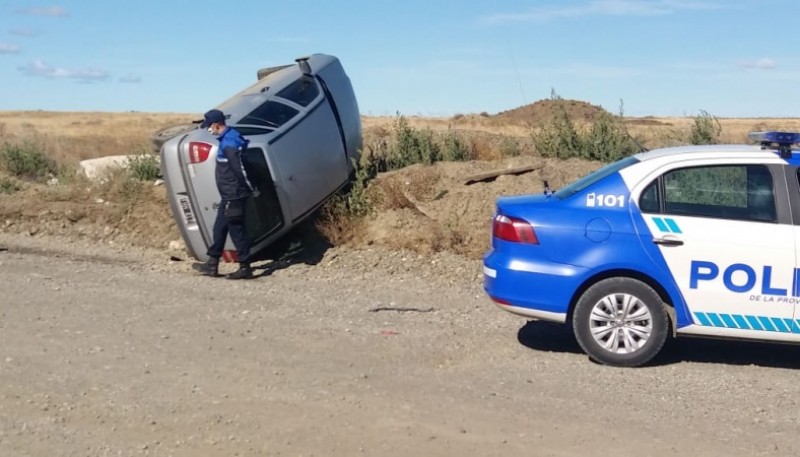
x=244 y=272
x=209 y=268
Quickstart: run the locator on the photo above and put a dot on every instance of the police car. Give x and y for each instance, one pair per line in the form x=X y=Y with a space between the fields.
x=694 y=240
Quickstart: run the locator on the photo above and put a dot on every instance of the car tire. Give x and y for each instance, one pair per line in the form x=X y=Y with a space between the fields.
x=264 y=72
x=620 y=322
x=159 y=137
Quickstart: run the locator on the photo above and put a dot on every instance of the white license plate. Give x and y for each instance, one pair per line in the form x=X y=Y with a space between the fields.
x=188 y=216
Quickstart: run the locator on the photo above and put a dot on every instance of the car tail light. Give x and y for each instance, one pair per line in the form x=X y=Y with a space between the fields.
x=199 y=152
x=230 y=256
x=513 y=229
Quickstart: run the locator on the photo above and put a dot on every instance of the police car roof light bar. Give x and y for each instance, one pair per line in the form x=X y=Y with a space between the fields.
x=783 y=141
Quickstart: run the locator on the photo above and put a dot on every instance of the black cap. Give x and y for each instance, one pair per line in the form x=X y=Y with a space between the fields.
x=213 y=116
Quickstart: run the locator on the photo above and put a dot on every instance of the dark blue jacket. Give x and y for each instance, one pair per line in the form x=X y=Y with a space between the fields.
x=230 y=175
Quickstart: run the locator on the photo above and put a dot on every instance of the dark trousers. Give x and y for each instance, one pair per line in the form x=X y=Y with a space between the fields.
x=234 y=225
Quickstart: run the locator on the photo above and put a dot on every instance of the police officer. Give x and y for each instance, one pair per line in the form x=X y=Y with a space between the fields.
x=234 y=189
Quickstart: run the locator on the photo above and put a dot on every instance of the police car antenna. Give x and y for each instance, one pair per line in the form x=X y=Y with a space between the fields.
x=622 y=119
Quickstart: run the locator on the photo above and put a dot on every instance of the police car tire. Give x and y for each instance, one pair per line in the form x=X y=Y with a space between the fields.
x=581 y=321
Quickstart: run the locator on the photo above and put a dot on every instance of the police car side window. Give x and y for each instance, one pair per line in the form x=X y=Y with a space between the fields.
x=302 y=91
x=649 y=201
x=742 y=192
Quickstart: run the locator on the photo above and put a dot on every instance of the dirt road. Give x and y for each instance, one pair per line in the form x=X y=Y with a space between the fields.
x=112 y=352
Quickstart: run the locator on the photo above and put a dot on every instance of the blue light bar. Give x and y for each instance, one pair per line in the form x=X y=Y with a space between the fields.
x=782 y=141
x=779 y=138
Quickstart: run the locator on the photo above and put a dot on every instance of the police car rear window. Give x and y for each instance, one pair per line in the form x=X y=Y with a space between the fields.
x=592 y=178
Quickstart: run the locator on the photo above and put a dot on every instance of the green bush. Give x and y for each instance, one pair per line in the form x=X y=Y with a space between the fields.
x=510 y=147
x=9 y=186
x=706 y=129
x=408 y=146
x=454 y=149
x=608 y=140
x=27 y=161
x=558 y=138
x=605 y=139
x=144 y=167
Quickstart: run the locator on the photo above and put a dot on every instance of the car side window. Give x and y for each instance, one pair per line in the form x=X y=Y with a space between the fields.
x=650 y=202
x=743 y=192
x=271 y=114
x=303 y=91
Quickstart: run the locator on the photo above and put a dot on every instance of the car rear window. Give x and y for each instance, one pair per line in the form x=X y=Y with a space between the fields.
x=592 y=178
x=271 y=114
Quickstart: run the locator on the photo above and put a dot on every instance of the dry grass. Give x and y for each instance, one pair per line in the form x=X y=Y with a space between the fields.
x=71 y=137
x=423 y=208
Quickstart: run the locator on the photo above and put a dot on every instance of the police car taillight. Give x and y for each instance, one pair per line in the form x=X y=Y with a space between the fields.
x=199 y=152
x=512 y=229
x=782 y=141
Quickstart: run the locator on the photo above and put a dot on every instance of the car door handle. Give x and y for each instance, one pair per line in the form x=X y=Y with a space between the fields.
x=668 y=241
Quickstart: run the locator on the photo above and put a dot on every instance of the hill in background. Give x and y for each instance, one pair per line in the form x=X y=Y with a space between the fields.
x=544 y=110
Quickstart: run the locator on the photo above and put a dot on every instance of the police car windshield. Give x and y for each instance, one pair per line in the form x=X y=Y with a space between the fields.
x=592 y=178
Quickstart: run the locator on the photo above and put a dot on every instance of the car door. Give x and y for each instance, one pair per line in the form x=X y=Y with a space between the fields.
x=793 y=191
x=727 y=243
x=310 y=157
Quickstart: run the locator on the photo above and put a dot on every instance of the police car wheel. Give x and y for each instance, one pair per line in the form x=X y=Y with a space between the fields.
x=621 y=322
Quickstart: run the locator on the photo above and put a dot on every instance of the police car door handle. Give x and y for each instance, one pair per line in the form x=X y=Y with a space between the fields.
x=668 y=241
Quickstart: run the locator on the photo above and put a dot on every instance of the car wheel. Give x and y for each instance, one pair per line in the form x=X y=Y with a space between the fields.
x=159 y=137
x=264 y=72
x=621 y=322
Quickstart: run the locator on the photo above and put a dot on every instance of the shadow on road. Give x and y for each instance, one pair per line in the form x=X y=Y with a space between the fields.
x=303 y=244
x=547 y=336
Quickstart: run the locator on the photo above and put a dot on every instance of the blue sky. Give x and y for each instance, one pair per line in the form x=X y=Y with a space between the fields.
x=434 y=57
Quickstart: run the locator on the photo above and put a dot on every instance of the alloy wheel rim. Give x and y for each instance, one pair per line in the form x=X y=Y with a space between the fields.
x=620 y=323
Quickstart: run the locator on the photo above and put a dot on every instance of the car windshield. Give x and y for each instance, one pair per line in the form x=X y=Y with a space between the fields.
x=592 y=178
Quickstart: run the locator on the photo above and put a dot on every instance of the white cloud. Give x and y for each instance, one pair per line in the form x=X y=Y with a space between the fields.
x=86 y=75
x=603 y=8
x=51 y=11
x=24 y=32
x=763 y=64
x=130 y=79
x=8 y=48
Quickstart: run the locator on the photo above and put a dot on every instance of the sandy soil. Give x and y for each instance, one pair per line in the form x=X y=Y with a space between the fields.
x=120 y=351
x=111 y=346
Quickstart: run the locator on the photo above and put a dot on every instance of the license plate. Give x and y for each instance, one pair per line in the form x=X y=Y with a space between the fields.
x=188 y=216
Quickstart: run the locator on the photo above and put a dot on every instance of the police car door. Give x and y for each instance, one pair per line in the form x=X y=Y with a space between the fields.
x=725 y=233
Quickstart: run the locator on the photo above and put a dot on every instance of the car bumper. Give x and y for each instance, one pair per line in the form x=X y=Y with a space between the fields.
x=531 y=287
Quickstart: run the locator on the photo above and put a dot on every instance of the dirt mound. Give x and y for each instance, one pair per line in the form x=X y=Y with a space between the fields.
x=542 y=111
x=137 y=216
x=424 y=208
x=432 y=208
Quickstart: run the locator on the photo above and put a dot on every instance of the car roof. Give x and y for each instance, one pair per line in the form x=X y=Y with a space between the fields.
x=708 y=150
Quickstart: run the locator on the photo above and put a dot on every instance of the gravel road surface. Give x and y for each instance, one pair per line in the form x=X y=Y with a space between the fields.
x=109 y=351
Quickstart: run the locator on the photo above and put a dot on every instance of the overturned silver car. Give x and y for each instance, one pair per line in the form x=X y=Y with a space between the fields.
x=304 y=131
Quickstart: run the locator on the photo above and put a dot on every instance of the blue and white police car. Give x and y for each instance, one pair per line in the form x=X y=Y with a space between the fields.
x=694 y=240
